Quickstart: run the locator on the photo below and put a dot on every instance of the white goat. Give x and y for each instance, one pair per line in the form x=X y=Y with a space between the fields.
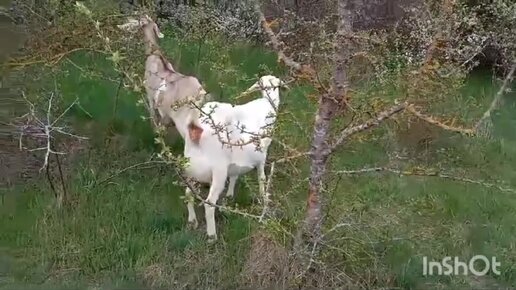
x=212 y=159
x=214 y=156
x=164 y=86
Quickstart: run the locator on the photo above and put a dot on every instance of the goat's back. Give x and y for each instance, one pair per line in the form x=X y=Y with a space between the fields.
x=256 y=115
x=242 y=124
x=181 y=88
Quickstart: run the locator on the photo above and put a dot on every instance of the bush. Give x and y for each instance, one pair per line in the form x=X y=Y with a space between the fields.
x=234 y=20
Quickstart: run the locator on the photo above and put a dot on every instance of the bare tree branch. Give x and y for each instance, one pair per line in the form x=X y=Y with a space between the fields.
x=439 y=124
x=33 y=126
x=481 y=125
x=276 y=43
x=266 y=198
x=424 y=172
x=371 y=123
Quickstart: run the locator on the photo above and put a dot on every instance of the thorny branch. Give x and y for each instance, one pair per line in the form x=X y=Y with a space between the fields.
x=373 y=122
x=33 y=126
x=433 y=121
x=267 y=197
x=51 y=61
x=278 y=47
x=497 y=99
x=44 y=129
x=276 y=43
x=424 y=172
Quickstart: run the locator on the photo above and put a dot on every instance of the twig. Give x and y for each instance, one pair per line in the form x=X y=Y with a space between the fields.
x=497 y=99
x=266 y=198
x=36 y=127
x=63 y=184
x=49 y=178
x=433 y=121
x=275 y=41
x=482 y=126
x=295 y=156
x=117 y=95
x=47 y=132
x=373 y=122
x=52 y=60
x=64 y=112
x=127 y=169
x=421 y=172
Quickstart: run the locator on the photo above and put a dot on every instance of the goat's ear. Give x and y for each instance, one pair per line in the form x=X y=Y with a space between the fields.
x=157 y=31
x=130 y=24
x=195 y=133
x=169 y=66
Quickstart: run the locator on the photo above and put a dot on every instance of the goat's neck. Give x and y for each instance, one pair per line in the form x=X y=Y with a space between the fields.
x=151 y=48
x=151 y=43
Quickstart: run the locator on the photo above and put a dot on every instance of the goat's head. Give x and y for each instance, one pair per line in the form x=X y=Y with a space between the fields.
x=149 y=27
x=266 y=83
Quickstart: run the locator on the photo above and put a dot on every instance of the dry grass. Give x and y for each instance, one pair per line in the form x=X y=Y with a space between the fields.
x=267 y=265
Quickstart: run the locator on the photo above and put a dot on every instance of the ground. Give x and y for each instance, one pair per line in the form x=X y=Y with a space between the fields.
x=129 y=230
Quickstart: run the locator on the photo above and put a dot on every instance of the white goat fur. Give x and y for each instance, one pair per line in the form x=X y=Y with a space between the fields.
x=211 y=161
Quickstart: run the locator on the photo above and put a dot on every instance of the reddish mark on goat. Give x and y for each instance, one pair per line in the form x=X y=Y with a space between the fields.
x=195 y=133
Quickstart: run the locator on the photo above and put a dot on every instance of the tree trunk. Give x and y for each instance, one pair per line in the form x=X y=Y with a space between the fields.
x=329 y=105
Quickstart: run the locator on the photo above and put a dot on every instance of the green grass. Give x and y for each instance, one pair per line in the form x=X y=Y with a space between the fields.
x=130 y=232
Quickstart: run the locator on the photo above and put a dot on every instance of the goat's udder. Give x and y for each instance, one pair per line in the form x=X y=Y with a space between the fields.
x=195 y=133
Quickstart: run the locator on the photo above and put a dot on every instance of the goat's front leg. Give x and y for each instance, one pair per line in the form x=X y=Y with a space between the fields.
x=192 y=218
x=218 y=181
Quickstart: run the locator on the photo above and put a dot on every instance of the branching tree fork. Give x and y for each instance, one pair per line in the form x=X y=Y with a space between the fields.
x=31 y=125
x=335 y=100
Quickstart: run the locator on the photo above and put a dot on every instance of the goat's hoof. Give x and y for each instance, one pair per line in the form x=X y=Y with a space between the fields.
x=192 y=225
x=212 y=239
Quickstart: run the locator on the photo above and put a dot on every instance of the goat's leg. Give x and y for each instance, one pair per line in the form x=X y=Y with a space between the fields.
x=218 y=181
x=231 y=186
x=192 y=218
